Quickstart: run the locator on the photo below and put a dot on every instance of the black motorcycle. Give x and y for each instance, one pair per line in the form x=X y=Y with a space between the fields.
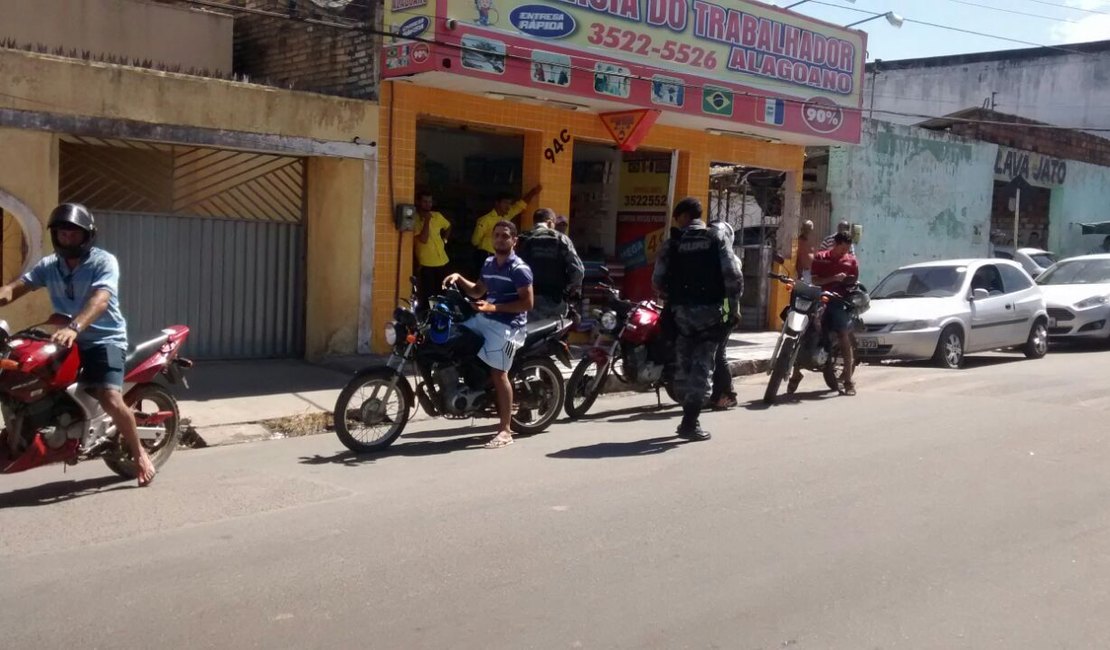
x=803 y=342
x=452 y=382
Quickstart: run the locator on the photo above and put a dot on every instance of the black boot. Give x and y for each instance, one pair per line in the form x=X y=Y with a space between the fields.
x=689 y=428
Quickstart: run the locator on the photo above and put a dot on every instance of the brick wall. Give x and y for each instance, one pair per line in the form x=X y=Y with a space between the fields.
x=289 y=53
x=1032 y=218
x=1058 y=143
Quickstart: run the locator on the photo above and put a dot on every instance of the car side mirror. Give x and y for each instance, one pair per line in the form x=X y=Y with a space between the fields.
x=979 y=294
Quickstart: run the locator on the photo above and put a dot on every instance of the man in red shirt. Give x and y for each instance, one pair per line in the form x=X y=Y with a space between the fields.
x=830 y=270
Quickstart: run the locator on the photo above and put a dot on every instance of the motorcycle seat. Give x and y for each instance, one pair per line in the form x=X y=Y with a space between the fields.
x=142 y=351
x=535 y=331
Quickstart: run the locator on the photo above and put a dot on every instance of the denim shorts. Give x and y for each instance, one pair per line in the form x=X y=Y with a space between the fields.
x=102 y=366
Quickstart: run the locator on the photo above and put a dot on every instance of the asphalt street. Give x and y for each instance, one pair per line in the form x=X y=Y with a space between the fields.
x=937 y=509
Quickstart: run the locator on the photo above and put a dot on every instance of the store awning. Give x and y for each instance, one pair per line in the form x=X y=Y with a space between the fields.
x=1100 y=228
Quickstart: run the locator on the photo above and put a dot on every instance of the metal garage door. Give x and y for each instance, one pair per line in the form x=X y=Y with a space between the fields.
x=238 y=284
x=209 y=238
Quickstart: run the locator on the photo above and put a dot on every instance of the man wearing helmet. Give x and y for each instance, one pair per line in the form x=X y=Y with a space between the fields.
x=84 y=280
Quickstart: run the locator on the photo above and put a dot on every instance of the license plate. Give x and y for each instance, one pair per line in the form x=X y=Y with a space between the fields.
x=867 y=344
x=1052 y=322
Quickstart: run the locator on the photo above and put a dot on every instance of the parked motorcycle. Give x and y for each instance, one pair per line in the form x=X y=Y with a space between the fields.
x=452 y=382
x=628 y=342
x=802 y=341
x=49 y=419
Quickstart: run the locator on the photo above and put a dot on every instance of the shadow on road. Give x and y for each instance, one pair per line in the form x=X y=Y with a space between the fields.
x=628 y=410
x=404 y=448
x=451 y=431
x=621 y=449
x=48 y=493
x=789 y=400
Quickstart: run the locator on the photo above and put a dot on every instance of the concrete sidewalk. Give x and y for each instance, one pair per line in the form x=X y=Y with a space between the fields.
x=228 y=400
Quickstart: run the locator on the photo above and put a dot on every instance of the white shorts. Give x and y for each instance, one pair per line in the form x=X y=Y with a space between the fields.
x=501 y=340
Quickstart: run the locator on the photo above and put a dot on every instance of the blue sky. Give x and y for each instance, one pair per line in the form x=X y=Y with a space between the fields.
x=1056 y=22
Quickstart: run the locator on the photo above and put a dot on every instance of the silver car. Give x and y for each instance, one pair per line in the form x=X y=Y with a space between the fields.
x=1077 y=292
x=943 y=310
x=1035 y=261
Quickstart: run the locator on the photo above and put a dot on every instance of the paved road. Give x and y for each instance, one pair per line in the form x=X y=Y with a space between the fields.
x=938 y=509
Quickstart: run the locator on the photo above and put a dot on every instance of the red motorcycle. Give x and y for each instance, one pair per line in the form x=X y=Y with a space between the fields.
x=629 y=343
x=48 y=419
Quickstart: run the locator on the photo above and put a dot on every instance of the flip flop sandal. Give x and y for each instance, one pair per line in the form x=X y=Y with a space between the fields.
x=497 y=443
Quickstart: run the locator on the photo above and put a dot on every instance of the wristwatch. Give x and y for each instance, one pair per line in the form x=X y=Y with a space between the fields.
x=73 y=326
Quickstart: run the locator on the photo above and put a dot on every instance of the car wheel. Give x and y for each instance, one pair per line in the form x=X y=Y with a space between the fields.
x=1037 y=344
x=950 y=348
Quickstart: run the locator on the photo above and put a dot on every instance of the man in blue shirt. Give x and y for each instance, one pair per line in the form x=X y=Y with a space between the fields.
x=506 y=283
x=84 y=280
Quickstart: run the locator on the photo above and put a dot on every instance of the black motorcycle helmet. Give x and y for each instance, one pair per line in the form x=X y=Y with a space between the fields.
x=77 y=216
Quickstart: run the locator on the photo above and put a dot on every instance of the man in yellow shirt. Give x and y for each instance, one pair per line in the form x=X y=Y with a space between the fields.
x=504 y=209
x=432 y=230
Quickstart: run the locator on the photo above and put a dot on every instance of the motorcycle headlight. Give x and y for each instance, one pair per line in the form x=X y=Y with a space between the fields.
x=391 y=333
x=1093 y=301
x=910 y=325
x=609 y=321
x=802 y=304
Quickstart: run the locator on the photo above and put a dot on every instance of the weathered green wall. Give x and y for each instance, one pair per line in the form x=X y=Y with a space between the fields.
x=1084 y=198
x=919 y=195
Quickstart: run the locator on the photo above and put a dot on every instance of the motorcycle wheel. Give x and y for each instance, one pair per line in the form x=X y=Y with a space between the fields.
x=148 y=398
x=539 y=392
x=583 y=389
x=364 y=419
x=779 y=372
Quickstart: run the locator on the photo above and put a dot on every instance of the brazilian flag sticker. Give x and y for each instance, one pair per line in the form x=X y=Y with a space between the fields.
x=716 y=101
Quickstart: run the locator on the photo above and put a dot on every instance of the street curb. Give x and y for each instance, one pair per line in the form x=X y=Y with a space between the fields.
x=232 y=434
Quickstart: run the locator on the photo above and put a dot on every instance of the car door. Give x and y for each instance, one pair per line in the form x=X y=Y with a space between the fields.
x=991 y=317
x=1025 y=300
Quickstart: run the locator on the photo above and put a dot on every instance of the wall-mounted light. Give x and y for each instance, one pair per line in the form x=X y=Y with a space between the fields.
x=894 y=19
x=570 y=106
x=743 y=134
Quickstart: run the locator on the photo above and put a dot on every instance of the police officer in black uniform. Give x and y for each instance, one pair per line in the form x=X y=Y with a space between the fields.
x=556 y=268
x=695 y=273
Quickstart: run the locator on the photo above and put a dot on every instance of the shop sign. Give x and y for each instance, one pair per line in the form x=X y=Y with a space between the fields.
x=542 y=21
x=1037 y=169
x=741 y=41
x=629 y=128
x=414 y=27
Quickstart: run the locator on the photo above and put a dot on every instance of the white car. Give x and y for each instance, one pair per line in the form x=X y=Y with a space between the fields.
x=1035 y=261
x=1077 y=292
x=943 y=310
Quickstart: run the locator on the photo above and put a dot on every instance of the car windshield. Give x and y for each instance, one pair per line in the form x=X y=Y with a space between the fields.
x=1096 y=271
x=1043 y=260
x=922 y=282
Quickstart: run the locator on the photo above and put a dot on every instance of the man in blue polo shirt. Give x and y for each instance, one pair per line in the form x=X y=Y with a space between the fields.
x=84 y=281
x=506 y=284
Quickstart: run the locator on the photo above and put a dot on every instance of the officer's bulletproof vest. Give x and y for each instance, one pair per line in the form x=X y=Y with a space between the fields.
x=694 y=274
x=542 y=250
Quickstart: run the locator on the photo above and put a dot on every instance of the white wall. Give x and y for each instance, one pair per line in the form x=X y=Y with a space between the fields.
x=1066 y=89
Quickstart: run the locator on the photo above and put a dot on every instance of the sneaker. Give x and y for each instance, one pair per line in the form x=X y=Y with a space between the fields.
x=849 y=389
x=792 y=385
x=695 y=433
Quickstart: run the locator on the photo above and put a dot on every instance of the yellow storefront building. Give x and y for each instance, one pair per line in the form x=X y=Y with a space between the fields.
x=613 y=108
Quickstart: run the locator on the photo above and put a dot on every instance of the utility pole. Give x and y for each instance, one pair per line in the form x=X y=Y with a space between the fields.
x=874 y=82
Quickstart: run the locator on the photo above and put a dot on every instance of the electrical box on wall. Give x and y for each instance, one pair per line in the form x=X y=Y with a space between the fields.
x=404 y=216
x=857 y=233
